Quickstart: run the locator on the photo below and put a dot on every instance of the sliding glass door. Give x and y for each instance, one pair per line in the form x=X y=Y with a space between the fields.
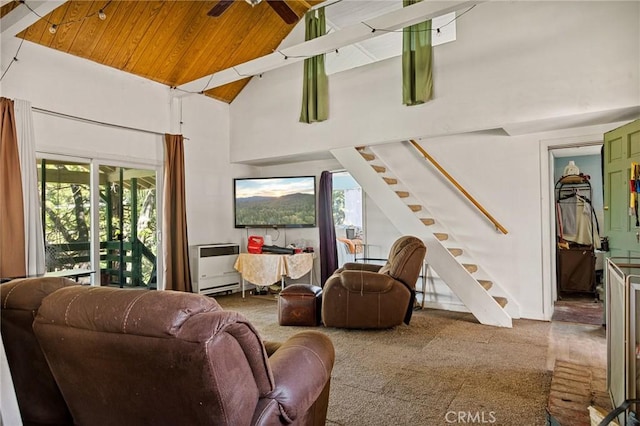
x=128 y=227
x=66 y=213
x=101 y=217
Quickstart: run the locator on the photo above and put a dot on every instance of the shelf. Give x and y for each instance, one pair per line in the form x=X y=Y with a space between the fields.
x=574 y=179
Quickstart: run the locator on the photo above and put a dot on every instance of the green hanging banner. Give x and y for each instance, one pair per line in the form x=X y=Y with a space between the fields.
x=417 y=82
x=315 y=85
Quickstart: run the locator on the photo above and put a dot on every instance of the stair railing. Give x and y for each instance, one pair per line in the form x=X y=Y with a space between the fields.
x=459 y=187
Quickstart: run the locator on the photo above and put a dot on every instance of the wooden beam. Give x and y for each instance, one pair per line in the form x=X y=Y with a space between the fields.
x=65 y=176
x=130 y=174
x=22 y=17
x=355 y=33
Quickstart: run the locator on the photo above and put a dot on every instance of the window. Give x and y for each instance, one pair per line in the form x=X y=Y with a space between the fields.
x=347 y=206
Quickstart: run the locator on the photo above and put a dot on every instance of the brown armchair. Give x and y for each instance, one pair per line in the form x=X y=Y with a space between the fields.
x=361 y=295
x=140 y=357
x=39 y=398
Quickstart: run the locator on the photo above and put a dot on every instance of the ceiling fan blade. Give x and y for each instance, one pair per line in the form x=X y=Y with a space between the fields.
x=219 y=8
x=283 y=9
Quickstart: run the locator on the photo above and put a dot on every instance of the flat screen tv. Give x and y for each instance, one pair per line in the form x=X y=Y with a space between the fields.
x=275 y=202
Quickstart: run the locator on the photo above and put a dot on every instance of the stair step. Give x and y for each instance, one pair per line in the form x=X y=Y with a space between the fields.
x=379 y=169
x=501 y=301
x=415 y=207
x=455 y=252
x=402 y=194
x=367 y=156
x=470 y=267
x=390 y=181
x=486 y=284
x=428 y=221
x=441 y=236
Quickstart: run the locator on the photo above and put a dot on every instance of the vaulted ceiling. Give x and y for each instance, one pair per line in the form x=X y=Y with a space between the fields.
x=172 y=42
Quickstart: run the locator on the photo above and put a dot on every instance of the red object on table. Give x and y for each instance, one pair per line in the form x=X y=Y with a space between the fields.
x=255 y=243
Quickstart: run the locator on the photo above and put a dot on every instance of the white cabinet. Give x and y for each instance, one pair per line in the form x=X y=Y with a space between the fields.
x=623 y=335
x=212 y=268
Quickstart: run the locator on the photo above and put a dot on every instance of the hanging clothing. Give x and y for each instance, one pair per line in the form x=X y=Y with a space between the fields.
x=575 y=221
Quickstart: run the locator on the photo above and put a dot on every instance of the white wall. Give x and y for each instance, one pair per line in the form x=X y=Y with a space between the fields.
x=75 y=86
x=512 y=62
x=209 y=173
x=69 y=85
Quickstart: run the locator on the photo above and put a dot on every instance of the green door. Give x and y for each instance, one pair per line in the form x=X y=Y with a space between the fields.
x=621 y=148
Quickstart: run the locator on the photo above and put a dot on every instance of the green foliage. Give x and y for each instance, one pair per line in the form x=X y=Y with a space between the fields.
x=144 y=230
x=338 y=207
x=293 y=209
x=66 y=215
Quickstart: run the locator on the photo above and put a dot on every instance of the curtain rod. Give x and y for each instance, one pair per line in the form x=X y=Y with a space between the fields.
x=91 y=121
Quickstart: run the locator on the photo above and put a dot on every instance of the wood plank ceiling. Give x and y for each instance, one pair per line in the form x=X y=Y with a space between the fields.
x=171 y=42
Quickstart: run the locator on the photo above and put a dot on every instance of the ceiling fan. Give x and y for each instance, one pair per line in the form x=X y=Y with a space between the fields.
x=279 y=6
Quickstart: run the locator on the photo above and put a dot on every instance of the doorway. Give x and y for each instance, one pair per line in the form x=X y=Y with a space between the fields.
x=579 y=262
x=348 y=217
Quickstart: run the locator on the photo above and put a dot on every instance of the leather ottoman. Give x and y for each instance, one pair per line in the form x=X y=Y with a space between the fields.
x=300 y=304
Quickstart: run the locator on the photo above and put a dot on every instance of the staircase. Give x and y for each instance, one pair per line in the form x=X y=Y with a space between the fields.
x=446 y=256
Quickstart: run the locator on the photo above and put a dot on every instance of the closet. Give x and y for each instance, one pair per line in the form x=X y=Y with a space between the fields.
x=577 y=235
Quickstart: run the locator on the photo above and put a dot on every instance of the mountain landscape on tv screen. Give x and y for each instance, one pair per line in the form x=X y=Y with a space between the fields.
x=294 y=210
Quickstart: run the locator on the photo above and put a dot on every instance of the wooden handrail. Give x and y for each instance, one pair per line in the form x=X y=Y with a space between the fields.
x=459 y=187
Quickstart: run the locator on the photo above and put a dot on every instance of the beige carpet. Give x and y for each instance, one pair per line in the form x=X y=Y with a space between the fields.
x=445 y=368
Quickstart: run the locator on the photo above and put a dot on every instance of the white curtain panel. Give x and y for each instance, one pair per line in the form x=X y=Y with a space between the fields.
x=34 y=239
x=9 y=411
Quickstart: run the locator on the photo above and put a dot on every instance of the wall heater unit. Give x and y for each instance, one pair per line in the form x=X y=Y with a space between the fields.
x=212 y=268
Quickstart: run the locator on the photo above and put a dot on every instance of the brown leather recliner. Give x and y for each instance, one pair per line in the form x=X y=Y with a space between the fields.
x=361 y=295
x=140 y=357
x=38 y=395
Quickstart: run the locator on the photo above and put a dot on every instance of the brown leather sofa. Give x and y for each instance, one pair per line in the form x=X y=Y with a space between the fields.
x=362 y=295
x=38 y=395
x=139 y=357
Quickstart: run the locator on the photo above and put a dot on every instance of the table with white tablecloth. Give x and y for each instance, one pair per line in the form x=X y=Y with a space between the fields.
x=268 y=268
